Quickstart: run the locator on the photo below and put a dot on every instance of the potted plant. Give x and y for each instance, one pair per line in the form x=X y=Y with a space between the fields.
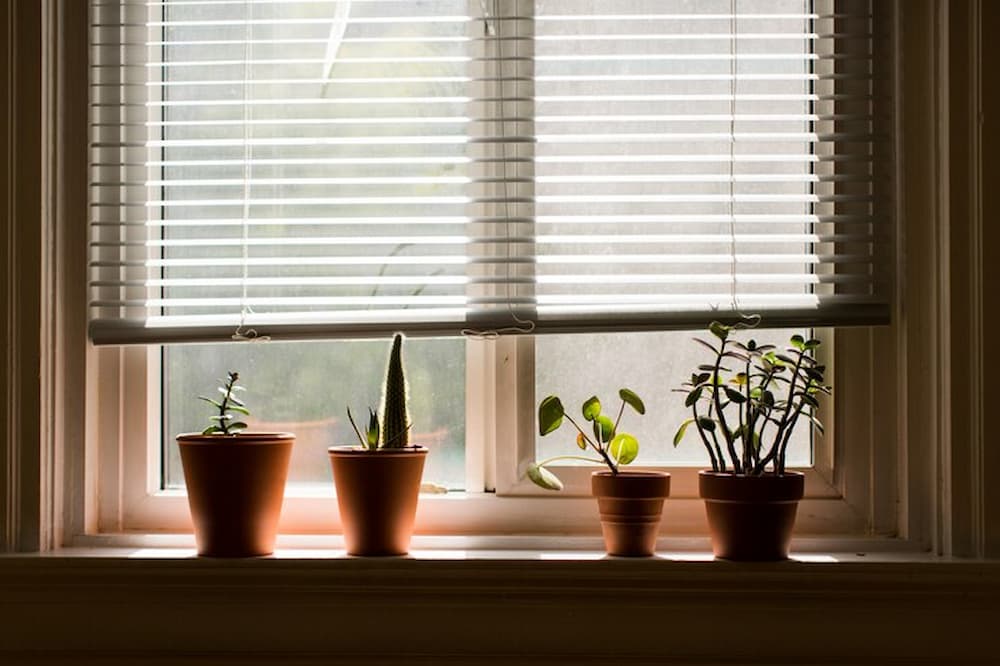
x=630 y=502
x=235 y=479
x=745 y=417
x=378 y=482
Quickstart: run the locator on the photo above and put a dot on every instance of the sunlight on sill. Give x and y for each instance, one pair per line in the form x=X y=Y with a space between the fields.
x=439 y=554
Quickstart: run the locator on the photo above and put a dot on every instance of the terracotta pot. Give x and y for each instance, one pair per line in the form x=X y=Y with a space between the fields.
x=751 y=517
x=377 y=493
x=630 y=504
x=235 y=485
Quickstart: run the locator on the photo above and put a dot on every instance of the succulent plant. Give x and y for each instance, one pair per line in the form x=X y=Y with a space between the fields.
x=224 y=423
x=614 y=447
x=394 y=432
x=395 y=419
x=746 y=416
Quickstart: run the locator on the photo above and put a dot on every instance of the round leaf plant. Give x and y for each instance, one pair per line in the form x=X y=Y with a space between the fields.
x=612 y=447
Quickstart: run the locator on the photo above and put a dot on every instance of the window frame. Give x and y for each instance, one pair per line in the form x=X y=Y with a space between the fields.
x=847 y=493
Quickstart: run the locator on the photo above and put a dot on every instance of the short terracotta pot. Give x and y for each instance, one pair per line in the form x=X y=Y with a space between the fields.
x=377 y=492
x=630 y=504
x=751 y=517
x=235 y=486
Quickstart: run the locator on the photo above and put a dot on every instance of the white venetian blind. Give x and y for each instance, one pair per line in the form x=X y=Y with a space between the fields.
x=307 y=168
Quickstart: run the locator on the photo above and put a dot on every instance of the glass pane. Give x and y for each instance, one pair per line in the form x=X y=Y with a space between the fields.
x=305 y=387
x=651 y=364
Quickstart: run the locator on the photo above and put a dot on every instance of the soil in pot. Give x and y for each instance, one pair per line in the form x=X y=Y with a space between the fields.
x=377 y=493
x=235 y=487
x=751 y=517
x=630 y=504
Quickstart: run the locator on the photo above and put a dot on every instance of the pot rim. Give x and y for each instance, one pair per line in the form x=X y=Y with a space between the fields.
x=744 y=478
x=363 y=452
x=632 y=473
x=245 y=437
x=729 y=487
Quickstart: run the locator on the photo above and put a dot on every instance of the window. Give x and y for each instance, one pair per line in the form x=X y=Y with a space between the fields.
x=322 y=170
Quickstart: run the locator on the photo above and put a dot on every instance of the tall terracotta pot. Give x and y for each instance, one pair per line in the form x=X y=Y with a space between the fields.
x=630 y=504
x=377 y=493
x=751 y=517
x=235 y=486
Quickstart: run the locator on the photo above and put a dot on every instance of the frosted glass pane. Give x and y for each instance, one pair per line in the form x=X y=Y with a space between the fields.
x=304 y=387
x=651 y=364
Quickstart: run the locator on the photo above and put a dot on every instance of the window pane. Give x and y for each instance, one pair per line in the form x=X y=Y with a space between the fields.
x=651 y=364
x=305 y=387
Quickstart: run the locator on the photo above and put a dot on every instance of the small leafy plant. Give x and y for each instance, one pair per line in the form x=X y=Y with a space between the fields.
x=745 y=416
x=394 y=432
x=224 y=423
x=614 y=448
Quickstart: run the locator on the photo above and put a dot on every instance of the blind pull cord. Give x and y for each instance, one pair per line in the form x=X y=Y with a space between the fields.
x=523 y=326
x=242 y=333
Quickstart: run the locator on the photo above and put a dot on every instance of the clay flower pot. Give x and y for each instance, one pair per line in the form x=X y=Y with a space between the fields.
x=630 y=504
x=751 y=517
x=235 y=486
x=377 y=493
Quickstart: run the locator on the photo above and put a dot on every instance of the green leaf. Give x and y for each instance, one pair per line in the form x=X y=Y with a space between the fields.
x=210 y=401
x=692 y=397
x=706 y=424
x=809 y=400
x=604 y=429
x=240 y=408
x=211 y=430
x=632 y=399
x=222 y=390
x=817 y=424
x=740 y=379
x=719 y=330
x=220 y=417
x=581 y=441
x=735 y=395
x=624 y=448
x=812 y=343
x=543 y=478
x=591 y=408
x=798 y=342
x=550 y=415
x=679 y=435
x=239 y=425
x=236 y=401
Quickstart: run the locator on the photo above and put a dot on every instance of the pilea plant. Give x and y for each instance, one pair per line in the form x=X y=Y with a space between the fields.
x=394 y=432
x=745 y=415
x=614 y=448
x=224 y=423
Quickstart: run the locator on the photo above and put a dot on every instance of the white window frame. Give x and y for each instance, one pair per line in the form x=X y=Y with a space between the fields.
x=850 y=488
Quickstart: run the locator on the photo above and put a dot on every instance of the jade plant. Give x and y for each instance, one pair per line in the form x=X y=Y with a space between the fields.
x=224 y=422
x=612 y=447
x=745 y=414
x=394 y=431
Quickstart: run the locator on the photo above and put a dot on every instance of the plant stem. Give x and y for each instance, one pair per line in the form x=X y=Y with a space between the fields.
x=554 y=458
x=231 y=380
x=775 y=450
x=621 y=410
x=718 y=410
x=600 y=449
x=701 y=433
